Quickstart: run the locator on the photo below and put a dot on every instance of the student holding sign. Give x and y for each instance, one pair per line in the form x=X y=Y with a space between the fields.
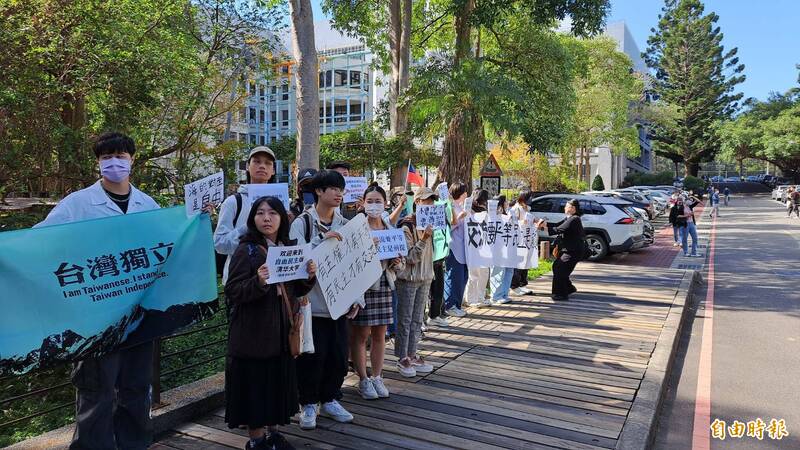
x=320 y=374
x=500 y=278
x=234 y=211
x=413 y=287
x=455 y=277
x=260 y=371
x=478 y=276
x=377 y=312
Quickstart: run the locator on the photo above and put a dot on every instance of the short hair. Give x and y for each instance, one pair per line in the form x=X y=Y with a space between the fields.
x=276 y=204
x=339 y=164
x=457 y=189
x=375 y=187
x=113 y=142
x=577 y=206
x=325 y=179
x=479 y=198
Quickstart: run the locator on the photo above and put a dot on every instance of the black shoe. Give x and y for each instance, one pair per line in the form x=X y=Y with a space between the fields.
x=278 y=442
x=559 y=298
x=265 y=444
x=572 y=290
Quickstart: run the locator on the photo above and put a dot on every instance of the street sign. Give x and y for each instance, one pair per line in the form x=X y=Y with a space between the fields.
x=490 y=168
x=491 y=184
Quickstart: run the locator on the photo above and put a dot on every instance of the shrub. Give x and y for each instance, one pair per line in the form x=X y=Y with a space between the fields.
x=691 y=183
x=597 y=184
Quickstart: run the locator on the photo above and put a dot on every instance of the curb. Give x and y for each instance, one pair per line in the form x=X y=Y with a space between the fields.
x=638 y=432
x=182 y=404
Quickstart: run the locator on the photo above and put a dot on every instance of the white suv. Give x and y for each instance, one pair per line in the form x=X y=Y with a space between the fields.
x=610 y=225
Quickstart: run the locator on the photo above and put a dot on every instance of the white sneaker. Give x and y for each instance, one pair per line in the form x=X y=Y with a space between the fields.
x=502 y=301
x=336 y=412
x=526 y=291
x=455 y=312
x=486 y=304
x=308 y=417
x=677 y=244
x=367 y=390
x=421 y=366
x=423 y=328
x=406 y=369
x=440 y=322
x=518 y=291
x=380 y=388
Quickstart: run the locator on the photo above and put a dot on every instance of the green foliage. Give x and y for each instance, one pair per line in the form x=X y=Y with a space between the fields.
x=649 y=179
x=691 y=183
x=694 y=100
x=545 y=266
x=597 y=184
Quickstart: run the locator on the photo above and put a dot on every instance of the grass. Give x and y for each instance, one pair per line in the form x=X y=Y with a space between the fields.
x=545 y=266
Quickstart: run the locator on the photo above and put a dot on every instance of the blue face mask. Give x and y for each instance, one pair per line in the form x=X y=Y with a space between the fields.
x=115 y=169
x=308 y=198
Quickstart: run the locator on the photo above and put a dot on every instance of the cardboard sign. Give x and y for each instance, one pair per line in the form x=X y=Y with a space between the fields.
x=354 y=188
x=210 y=189
x=347 y=268
x=500 y=243
x=287 y=263
x=391 y=243
x=280 y=190
x=468 y=205
x=433 y=215
x=443 y=191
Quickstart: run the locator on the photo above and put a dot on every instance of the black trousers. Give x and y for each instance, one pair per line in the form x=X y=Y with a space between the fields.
x=320 y=374
x=437 y=290
x=562 y=269
x=112 y=409
x=519 y=279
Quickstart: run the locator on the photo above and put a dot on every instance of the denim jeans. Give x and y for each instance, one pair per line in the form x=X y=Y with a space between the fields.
x=500 y=282
x=392 y=327
x=689 y=229
x=676 y=233
x=455 y=281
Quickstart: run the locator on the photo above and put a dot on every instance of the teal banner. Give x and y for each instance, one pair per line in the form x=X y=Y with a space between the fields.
x=83 y=289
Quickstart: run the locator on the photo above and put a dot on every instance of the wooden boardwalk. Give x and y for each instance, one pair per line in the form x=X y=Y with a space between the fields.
x=527 y=375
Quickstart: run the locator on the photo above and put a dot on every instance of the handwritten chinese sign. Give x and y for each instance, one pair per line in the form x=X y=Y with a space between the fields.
x=354 y=188
x=502 y=242
x=444 y=194
x=287 y=263
x=280 y=190
x=433 y=215
x=391 y=243
x=210 y=189
x=347 y=268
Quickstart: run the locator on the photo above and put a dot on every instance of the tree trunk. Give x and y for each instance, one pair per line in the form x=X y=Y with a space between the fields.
x=395 y=35
x=690 y=168
x=400 y=12
x=465 y=130
x=307 y=83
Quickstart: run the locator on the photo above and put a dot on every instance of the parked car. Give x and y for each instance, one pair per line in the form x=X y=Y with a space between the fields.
x=639 y=200
x=779 y=193
x=752 y=178
x=717 y=179
x=733 y=179
x=610 y=228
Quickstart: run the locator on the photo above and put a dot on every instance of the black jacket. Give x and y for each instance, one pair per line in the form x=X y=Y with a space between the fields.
x=259 y=325
x=571 y=237
x=674 y=219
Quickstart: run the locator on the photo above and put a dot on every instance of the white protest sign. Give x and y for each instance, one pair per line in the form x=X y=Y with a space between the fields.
x=444 y=194
x=210 y=189
x=280 y=190
x=287 y=263
x=391 y=243
x=433 y=215
x=502 y=242
x=491 y=207
x=468 y=205
x=347 y=268
x=354 y=188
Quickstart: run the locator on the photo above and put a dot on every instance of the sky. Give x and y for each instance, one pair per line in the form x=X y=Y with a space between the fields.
x=766 y=33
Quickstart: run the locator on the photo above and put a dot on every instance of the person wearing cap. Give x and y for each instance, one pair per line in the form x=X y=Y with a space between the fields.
x=305 y=194
x=349 y=210
x=413 y=286
x=232 y=223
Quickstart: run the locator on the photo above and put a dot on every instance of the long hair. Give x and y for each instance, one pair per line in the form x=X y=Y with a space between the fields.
x=283 y=229
x=577 y=206
x=479 y=199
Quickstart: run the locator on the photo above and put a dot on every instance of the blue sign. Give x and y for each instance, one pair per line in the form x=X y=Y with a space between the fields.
x=84 y=288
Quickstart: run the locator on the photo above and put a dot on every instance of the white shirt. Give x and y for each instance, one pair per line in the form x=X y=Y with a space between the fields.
x=93 y=203
x=227 y=233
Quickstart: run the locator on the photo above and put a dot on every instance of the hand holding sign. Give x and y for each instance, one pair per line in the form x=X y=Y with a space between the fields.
x=203 y=194
x=431 y=215
x=286 y=263
x=263 y=274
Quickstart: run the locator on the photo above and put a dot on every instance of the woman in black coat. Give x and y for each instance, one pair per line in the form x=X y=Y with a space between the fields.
x=260 y=379
x=571 y=243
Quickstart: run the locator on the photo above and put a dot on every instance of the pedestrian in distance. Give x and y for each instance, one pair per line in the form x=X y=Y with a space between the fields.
x=413 y=288
x=260 y=371
x=726 y=194
x=569 y=249
x=714 y=200
x=793 y=202
x=371 y=322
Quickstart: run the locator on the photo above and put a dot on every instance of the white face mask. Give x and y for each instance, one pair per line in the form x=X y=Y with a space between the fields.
x=373 y=209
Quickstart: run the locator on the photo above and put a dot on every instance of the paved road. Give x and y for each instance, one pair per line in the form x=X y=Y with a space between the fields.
x=750 y=362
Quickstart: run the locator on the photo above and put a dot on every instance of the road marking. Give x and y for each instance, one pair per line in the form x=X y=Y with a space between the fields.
x=701 y=436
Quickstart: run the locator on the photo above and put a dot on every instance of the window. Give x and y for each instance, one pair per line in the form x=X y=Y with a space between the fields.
x=284 y=69
x=261 y=116
x=252 y=115
x=365 y=84
x=261 y=91
x=243 y=115
x=328 y=75
x=285 y=90
x=340 y=110
x=274 y=90
x=543 y=205
x=263 y=140
x=273 y=139
x=252 y=139
x=355 y=108
x=285 y=118
x=355 y=78
x=340 y=78
x=321 y=80
x=273 y=119
x=252 y=89
x=590 y=207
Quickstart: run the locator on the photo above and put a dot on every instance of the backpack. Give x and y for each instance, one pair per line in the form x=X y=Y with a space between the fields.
x=220 y=258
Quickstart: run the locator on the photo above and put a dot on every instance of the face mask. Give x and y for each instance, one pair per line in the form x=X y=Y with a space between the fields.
x=373 y=209
x=115 y=169
x=308 y=198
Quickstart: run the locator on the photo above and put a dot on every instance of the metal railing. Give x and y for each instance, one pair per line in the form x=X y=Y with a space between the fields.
x=56 y=380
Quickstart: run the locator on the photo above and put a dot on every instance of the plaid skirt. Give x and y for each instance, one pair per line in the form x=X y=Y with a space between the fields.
x=379 y=306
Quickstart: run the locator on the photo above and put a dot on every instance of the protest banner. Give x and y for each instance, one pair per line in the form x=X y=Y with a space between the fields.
x=391 y=243
x=75 y=297
x=210 y=189
x=354 y=188
x=347 y=268
x=433 y=215
x=287 y=263
x=503 y=242
x=280 y=190
x=444 y=194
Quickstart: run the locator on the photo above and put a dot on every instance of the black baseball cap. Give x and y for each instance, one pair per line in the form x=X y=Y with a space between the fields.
x=306 y=175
